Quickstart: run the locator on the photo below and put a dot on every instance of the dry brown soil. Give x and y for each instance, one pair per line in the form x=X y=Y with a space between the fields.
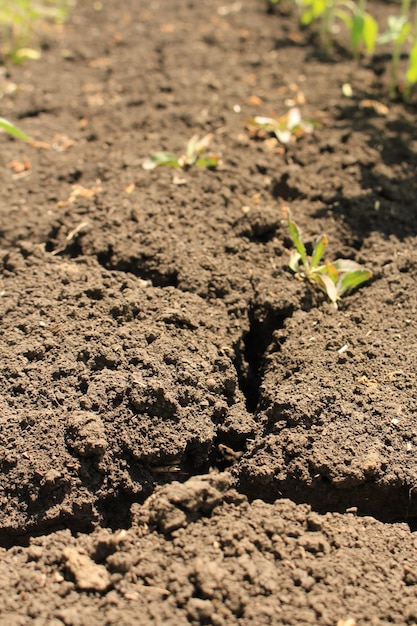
x=188 y=434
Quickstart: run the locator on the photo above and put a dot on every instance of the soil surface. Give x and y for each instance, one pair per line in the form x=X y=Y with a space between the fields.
x=188 y=434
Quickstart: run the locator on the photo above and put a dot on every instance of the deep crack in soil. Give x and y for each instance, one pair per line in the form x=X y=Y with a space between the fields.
x=251 y=351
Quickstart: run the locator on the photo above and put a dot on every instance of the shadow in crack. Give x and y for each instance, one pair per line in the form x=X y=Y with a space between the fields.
x=253 y=345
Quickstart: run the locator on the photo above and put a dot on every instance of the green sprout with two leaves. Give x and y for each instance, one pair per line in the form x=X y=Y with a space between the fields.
x=196 y=153
x=335 y=278
x=285 y=127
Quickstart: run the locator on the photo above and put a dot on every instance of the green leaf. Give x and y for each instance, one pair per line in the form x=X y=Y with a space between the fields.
x=10 y=128
x=208 y=161
x=318 y=252
x=353 y=280
x=398 y=27
x=307 y=17
x=412 y=66
x=404 y=32
x=159 y=159
x=356 y=31
x=319 y=7
x=321 y=269
x=370 y=32
x=364 y=29
x=295 y=236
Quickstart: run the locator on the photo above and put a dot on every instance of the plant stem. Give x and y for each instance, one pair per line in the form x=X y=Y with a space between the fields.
x=407 y=89
x=326 y=26
x=396 y=54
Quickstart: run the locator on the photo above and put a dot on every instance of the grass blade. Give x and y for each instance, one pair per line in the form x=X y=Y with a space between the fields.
x=10 y=128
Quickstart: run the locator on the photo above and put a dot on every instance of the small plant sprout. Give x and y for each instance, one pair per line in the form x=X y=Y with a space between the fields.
x=11 y=129
x=21 y=21
x=362 y=27
x=336 y=278
x=196 y=154
x=411 y=75
x=397 y=33
x=285 y=128
x=402 y=32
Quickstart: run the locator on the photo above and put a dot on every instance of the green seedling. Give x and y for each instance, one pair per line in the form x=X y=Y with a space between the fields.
x=284 y=128
x=411 y=75
x=362 y=26
x=336 y=278
x=398 y=32
x=11 y=129
x=402 y=32
x=196 y=154
x=20 y=20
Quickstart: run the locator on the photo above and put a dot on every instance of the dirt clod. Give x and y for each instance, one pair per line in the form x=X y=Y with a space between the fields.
x=89 y=576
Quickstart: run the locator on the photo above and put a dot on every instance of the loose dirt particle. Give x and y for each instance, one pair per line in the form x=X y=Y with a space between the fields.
x=88 y=575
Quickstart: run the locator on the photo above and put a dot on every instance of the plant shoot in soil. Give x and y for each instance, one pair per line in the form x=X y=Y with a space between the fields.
x=362 y=26
x=196 y=153
x=401 y=33
x=335 y=278
x=18 y=19
x=285 y=128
